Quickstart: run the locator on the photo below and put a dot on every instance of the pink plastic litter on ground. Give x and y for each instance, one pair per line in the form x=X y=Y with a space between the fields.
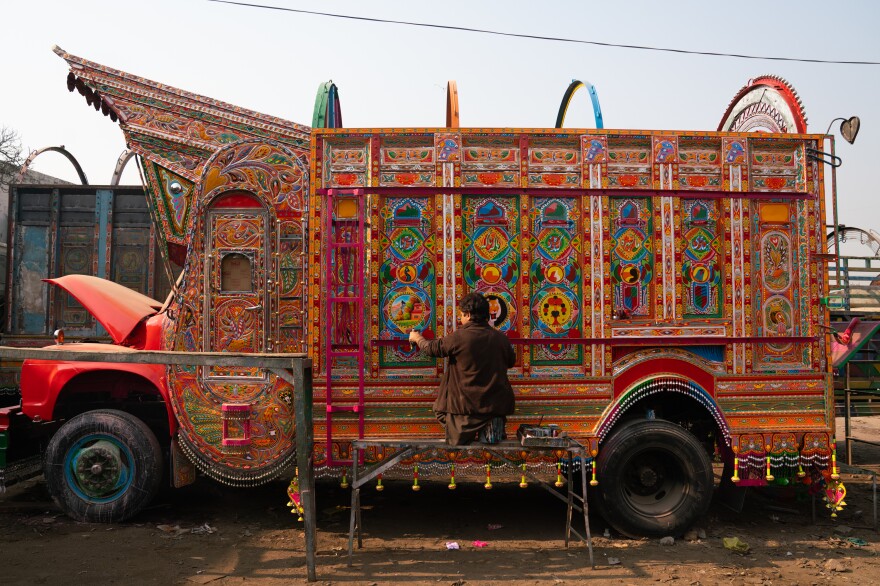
x=480 y=544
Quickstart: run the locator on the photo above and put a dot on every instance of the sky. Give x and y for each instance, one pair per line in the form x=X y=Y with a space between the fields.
x=390 y=75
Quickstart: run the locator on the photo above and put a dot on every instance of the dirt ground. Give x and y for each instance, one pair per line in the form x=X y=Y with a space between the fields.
x=211 y=534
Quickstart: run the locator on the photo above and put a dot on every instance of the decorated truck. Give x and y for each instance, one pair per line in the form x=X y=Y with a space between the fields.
x=663 y=291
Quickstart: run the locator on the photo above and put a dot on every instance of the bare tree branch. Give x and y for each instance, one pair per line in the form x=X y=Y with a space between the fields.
x=11 y=154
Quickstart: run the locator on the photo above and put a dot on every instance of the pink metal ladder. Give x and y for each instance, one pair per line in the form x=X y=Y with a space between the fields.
x=345 y=326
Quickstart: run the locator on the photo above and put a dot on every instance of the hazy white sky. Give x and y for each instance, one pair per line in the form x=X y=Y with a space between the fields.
x=391 y=75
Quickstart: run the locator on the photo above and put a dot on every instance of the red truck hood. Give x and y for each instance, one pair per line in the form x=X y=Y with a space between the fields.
x=118 y=308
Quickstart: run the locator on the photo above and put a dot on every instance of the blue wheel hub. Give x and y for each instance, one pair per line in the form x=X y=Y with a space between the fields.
x=99 y=468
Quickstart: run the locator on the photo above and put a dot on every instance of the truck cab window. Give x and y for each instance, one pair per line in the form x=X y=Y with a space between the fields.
x=235 y=273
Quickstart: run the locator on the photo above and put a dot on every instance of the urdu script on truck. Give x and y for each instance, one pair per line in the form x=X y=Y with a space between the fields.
x=662 y=290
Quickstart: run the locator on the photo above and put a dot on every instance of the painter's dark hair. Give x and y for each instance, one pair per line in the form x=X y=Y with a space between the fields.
x=475 y=305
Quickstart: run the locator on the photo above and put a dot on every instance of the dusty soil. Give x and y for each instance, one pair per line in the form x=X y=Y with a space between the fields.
x=210 y=534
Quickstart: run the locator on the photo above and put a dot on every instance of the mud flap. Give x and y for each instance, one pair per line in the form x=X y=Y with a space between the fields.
x=183 y=471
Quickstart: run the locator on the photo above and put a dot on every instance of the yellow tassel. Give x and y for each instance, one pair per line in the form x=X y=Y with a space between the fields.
x=452 y=478
x=415 y=485
x=488 y=485
x=559 y=483
x=522 y=481
x=735 y=478
x=295 y=510
x=293 y=493
x=834 y=472
x=344 y=483
x=769 y=476
x=801 y=472
x=379 y=487
x=594 y=482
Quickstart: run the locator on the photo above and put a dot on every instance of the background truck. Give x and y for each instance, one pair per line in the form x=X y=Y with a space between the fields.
x=663 y=290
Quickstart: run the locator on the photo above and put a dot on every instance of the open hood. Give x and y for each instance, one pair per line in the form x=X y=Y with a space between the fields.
x=117 y=308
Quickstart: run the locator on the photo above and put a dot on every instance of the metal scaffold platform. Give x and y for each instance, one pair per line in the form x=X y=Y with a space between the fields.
x=505 y=451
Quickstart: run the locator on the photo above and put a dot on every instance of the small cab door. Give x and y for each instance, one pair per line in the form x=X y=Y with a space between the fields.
x=236 y=304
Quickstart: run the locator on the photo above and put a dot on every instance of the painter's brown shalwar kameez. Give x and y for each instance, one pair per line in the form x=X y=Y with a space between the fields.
x=475 y=388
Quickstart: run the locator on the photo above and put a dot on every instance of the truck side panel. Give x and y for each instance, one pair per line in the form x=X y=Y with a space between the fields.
x=602 y=255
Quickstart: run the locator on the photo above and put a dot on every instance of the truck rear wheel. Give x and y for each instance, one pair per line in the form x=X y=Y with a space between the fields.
x=103 y=466
x=655 y=479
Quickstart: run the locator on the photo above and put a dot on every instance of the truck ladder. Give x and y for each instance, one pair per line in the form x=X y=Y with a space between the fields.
x=345 y=327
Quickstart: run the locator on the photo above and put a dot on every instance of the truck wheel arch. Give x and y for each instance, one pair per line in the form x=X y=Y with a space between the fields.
x=139 y=379
x=672 y=375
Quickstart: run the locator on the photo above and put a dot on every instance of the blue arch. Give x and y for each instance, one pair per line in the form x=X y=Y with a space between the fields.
x=575 y=85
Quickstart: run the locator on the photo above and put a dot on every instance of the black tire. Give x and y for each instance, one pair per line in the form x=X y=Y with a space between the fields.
x=655 y=479
x=103 y=466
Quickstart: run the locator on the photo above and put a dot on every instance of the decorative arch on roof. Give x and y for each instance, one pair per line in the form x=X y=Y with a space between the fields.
x=767 y=103
x=57 y=149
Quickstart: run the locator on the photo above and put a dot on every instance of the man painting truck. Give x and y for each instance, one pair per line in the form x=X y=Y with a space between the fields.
x=662 y=290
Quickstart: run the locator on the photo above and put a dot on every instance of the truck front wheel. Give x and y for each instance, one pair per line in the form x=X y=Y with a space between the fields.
x=655 y=479
x=103 y=466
